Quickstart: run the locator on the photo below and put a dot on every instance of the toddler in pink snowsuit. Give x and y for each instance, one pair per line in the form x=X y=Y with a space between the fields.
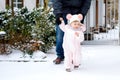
x=73 y=36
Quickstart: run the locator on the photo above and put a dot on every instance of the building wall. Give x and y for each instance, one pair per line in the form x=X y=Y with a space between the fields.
x=92 y=14
x=101 y=13
x=2 y=5
x=30 y=4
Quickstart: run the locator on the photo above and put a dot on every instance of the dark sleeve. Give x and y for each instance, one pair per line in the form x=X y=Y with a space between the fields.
x=85 y=7
x=57 y=6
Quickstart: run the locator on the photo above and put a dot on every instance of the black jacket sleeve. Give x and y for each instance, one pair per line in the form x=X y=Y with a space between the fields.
x=85 y=7
x=57 y=6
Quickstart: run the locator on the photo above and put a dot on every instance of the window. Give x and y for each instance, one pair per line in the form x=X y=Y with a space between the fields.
x=16 y=3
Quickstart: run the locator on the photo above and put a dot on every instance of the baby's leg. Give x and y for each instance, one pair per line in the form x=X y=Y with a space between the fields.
x=68 y=60
x=77 y=58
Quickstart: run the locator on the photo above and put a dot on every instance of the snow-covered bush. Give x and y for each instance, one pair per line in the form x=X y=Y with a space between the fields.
x=26 y=25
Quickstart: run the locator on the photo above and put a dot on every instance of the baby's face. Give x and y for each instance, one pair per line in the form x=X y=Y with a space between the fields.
x=75 y=24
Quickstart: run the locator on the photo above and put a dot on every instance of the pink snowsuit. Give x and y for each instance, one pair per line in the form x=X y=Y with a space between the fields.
x=71 y=44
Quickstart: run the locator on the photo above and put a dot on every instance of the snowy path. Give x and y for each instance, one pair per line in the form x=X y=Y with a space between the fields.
x=99 y=62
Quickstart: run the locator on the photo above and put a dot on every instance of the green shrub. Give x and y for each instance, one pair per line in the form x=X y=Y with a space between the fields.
x=26 y=25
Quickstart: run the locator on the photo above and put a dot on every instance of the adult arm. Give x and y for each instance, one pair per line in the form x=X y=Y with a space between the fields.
x=85 y=7
x=57 y=6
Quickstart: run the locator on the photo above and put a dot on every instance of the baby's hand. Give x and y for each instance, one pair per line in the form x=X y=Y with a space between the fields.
x=61 y=19
x=77 y=34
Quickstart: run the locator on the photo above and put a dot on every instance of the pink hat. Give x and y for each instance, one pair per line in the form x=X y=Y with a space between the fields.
x=75 y=17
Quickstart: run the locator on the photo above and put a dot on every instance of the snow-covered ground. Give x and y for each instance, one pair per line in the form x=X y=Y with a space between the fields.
x=99 y=62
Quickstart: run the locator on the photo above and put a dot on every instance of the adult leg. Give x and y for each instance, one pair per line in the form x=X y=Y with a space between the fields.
x=59 y=48
x=59 y=42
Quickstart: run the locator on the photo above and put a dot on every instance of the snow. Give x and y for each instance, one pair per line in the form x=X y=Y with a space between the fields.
x=99 y=62
x=2 y=32
x=18 y=56
x=110 y=35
